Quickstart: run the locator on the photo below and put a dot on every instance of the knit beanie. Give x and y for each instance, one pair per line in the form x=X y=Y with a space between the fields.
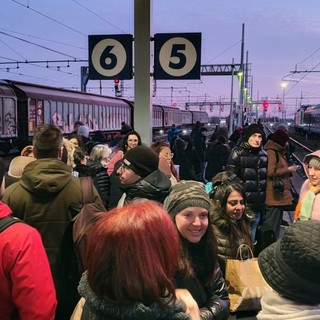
x=280 y=137
x=142 y=160
x=185 y=194
x=252 y=129
x=18 y=164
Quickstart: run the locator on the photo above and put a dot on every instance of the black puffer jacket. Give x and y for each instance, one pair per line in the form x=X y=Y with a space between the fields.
x=250 y=165
x=155 y=187
x=217 y=157
x=101 y=180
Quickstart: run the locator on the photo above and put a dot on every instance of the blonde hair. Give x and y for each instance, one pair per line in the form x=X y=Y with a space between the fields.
x=99 y=152
x=314 y=162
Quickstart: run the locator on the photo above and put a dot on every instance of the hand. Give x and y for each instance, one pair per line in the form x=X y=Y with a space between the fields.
x=192 y=307
x=293 y=168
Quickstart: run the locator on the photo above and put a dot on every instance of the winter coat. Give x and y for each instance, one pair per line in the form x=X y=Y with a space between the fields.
x=211 y=296
x=273 y=197
x=155 y=187
x=222 y=226
x=42 y=199
x=199 y=142
x=172 y=134
x=188 y=159
x=100 y=309
x=101 y=180
x=250 y=165
x=27 y=291
x=217 y=157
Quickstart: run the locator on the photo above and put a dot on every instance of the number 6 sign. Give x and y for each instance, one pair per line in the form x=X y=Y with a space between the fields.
x=110 y=57
x=177 y=56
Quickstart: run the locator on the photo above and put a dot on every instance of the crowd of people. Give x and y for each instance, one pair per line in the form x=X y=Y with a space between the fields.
x=172 y=214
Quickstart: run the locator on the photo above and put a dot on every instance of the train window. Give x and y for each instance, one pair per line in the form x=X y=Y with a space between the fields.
x=32 y=115
x=39 y=116
x=76 y=112
x=47 y=111
x=65 y=112
x=8 y=127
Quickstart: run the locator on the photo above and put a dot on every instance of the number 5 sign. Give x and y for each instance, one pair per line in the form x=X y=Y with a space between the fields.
x=110 y=57
x=177 y=55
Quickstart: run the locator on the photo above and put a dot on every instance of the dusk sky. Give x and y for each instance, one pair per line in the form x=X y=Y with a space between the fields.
x=280 y=37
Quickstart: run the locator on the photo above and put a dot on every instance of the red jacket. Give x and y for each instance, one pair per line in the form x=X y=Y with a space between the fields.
x=26 y=287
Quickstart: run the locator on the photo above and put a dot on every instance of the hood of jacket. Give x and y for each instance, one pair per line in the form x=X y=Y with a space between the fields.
x=271 y=145
x=307 y=158
x=217 y=148
x=102 y=309
x=45 y=176
x=155 y=186
x=4 y=210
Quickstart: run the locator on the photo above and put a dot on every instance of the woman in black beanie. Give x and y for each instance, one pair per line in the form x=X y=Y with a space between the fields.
x=189 y=205
x=277 y=164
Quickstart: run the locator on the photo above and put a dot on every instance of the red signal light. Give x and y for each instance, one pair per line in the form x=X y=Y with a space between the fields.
x=265 y=105
x=116 y=80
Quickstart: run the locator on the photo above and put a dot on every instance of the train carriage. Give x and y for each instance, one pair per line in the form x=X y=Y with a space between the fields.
x=200 y=116
x=307 y=119
x=25 y=106
x=40 y=104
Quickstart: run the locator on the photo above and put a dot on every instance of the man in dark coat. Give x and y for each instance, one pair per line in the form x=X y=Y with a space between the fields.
x=141 y=178
x=249 y=162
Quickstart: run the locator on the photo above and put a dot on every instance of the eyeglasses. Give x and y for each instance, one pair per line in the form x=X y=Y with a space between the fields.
x=123 y=168
x=167 y=155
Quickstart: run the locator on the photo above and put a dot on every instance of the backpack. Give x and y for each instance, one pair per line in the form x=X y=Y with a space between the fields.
x=84 y=221
x=7 y=222
x=71 y=261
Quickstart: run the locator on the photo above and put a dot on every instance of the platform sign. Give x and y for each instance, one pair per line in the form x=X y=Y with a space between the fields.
x=110 y=57
x=177 y=56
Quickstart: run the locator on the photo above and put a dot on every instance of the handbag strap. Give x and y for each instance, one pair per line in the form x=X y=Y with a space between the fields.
x=277 y=160
x=243 y=246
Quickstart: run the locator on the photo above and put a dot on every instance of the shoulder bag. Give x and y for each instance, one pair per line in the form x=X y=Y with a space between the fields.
x=245 y=282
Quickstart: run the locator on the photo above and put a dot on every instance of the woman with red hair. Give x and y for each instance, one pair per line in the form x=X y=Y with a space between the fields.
x=132 y=256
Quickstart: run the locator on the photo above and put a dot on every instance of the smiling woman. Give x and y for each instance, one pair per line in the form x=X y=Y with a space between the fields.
x=189 y=206
x=230 y=218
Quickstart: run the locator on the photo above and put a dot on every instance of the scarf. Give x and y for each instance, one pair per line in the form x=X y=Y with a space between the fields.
x=303 y=209
x=276 y=307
